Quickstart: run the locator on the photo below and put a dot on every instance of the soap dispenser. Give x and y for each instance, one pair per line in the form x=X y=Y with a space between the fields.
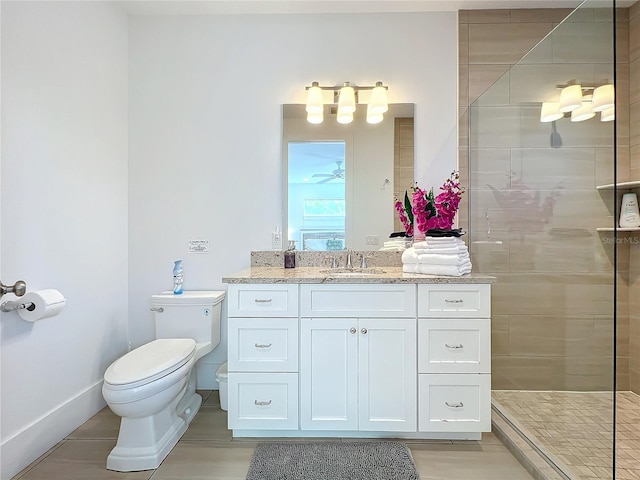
x=290 y=255
x=178 y=277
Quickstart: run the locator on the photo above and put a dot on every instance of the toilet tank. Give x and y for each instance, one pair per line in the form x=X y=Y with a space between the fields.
x=193 y=314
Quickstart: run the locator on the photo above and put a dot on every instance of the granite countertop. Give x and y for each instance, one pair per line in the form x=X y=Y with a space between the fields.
x=321 y=275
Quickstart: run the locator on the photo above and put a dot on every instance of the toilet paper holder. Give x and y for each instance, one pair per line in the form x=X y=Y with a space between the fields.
x=15 y=306
x=18 y=289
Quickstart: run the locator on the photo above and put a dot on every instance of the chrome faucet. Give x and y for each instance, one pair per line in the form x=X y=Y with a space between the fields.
x=348 y=264
x=363 y=261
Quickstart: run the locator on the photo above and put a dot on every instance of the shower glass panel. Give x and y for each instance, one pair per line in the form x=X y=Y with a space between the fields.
x=534 y=218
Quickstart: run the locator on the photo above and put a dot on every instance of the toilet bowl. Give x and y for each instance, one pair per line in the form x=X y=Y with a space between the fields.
x=153 y=388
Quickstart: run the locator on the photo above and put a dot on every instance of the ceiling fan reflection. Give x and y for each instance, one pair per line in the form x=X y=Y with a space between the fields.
x=338 y=173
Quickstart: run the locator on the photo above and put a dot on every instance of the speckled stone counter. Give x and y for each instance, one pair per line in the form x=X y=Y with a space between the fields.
x=391 y=274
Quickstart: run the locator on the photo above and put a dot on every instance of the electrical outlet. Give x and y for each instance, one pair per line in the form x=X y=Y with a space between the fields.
x=276 y=241
x=373 y=239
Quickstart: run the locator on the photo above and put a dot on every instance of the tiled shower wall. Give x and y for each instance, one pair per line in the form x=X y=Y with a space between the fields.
x=552 y=315
x=634 y=174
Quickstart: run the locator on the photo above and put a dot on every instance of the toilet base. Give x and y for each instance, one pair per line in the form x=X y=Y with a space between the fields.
x=143 y=443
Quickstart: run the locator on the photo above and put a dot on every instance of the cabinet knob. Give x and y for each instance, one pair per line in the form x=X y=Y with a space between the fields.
x=364 y=331
x=353 y=330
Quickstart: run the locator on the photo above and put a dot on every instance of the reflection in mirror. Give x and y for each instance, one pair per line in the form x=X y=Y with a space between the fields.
x=340 y=180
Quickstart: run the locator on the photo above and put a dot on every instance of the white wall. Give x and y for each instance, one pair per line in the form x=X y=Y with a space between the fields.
x=205 y=127
x=64 y=214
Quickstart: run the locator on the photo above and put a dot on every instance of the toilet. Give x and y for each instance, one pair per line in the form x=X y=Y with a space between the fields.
x=153 y=388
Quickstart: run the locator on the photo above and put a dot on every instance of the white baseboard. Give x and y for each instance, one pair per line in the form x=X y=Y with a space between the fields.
x=25 y=446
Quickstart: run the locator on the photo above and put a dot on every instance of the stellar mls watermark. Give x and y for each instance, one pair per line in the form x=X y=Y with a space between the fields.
x=621 y=240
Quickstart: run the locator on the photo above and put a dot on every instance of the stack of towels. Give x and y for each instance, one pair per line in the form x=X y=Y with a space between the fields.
x=395 y=244
x=447 y=256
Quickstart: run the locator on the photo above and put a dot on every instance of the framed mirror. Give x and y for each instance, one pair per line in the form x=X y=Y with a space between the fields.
x=339 y=181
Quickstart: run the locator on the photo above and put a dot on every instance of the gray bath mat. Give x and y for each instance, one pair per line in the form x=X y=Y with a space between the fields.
x=332 y=461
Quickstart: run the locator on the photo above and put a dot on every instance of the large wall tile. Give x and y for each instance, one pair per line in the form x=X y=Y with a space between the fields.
x=537 y=15
x=488 y=85
x=634 y=84
x=552 y=168
x=488 y=16
x=550 y=294
x=580 y=43
x=634 y=35
x=504 y=43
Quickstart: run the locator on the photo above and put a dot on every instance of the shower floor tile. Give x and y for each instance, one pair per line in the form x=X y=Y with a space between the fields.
x=574 y=429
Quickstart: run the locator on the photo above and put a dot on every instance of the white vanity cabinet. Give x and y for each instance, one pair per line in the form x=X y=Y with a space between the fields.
x=263 y=357
x=370 y=359
x=454 y=358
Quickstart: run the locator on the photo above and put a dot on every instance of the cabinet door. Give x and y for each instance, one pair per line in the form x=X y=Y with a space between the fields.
x=387 y=375
x=328 y=374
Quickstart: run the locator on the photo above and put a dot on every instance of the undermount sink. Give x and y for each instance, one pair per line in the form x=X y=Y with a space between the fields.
x=356 y=272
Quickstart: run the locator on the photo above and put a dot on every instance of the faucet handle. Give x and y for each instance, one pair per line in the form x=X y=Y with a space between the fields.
x=333 y=259
x=363 y=260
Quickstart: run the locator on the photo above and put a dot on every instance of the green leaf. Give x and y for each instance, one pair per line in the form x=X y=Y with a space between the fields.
x=407 y=207
x=431 y=206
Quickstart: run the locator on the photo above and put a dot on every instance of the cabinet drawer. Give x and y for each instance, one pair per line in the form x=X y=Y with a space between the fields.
x=262 y=300
x=263 y=401
x=263 y=345
x=454 y=346
x=358 y=300
x=454 y=403
x=455 y=300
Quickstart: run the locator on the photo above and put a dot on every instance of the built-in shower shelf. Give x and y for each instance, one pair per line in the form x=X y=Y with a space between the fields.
x=611 y=229
x=620 y=186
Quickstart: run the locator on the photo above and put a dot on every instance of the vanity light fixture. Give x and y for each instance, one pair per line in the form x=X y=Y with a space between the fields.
x=347 y=98
x=582 y=102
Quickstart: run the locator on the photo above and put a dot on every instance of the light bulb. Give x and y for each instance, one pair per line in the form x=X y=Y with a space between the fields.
x=378 y=103
x=608 y=115
x=604 y=97
x=347 y=99
x=314 y=99
x=571 y=98
x=550 y=112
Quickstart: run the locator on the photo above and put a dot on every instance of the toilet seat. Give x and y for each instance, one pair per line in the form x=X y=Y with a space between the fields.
x=149 y=362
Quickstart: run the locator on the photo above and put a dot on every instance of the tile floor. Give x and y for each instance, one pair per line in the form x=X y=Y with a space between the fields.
x=575 y=429
x=207 y=451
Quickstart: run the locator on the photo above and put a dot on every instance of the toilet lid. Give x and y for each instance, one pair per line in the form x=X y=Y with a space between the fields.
x=151 y=361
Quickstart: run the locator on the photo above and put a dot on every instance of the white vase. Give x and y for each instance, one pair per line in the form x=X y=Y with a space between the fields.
x=629 y=215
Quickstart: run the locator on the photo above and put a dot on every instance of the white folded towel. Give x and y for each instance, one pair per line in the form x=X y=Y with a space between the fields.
x=410 y=268
x=443 y=259
x=427 y=244
x=444 y=270
x=409 y=256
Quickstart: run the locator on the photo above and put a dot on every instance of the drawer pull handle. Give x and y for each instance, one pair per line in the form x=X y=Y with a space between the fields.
x=262 y=300
x=454 y=347
x=262 y=403
x=263 y=345
x=454 y=301
x=454 y=405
